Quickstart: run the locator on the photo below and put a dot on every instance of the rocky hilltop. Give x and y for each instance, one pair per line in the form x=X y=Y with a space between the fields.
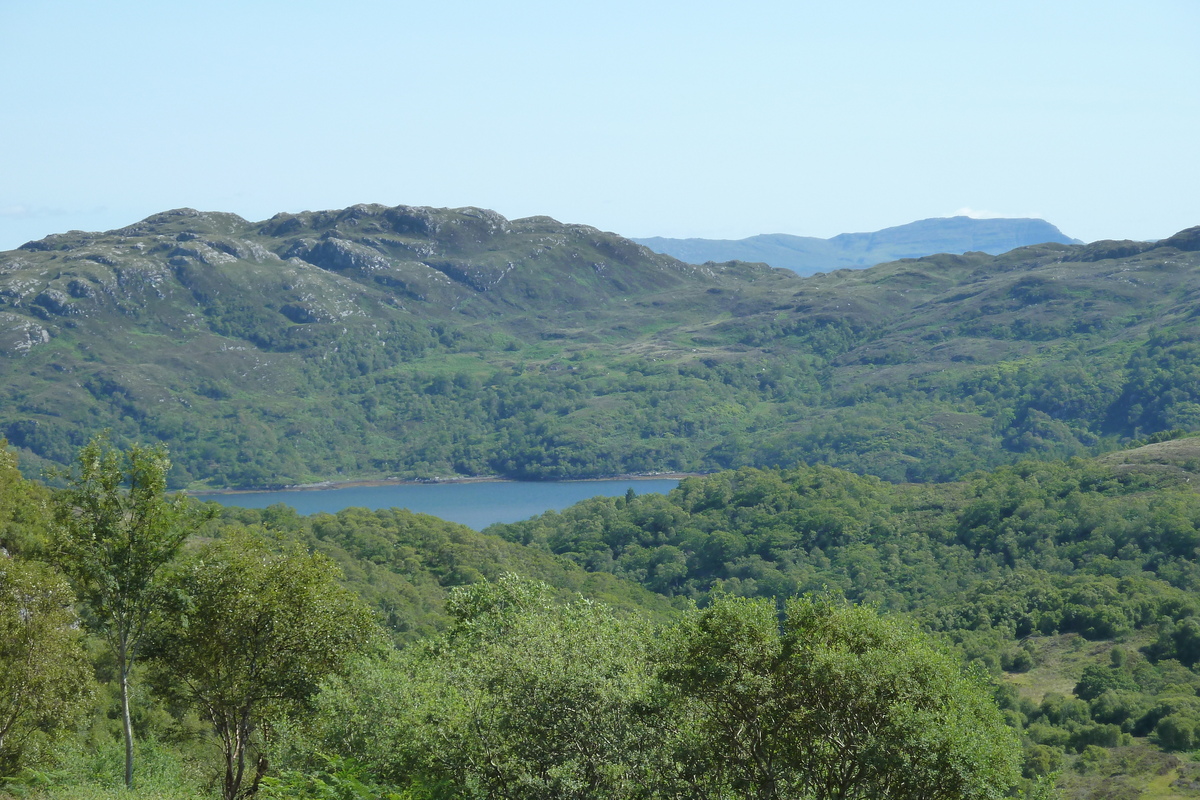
x=378 y=342
x=468 y=260
x=156 y=327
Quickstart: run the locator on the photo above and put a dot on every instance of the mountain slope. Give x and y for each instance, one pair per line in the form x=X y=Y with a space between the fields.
x=807 y=255
x=400 y=342
x=318 y=344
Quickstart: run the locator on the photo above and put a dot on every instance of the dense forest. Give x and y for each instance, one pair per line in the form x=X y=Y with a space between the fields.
x=754 y=633
x=244 y=664
x=1077 y=576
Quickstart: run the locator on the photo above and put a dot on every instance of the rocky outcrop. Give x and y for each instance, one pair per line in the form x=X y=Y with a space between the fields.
x=1187 y=240
x=338 y=255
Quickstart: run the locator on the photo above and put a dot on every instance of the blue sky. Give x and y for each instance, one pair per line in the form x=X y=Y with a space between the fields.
x=719 y=120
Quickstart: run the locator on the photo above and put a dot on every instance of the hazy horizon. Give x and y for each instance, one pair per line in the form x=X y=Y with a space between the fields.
x=660 y=119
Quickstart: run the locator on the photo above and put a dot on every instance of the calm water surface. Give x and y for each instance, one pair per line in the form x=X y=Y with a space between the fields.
x=475 y=505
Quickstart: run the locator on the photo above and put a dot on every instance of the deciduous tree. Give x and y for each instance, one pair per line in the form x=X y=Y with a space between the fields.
x=253 y=634
x=44 y=673
x=116 y=531
x=526 y=697
x=549 y=694
x=837 y=703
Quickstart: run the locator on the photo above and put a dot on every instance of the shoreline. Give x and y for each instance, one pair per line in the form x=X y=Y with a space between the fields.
x=325 y=486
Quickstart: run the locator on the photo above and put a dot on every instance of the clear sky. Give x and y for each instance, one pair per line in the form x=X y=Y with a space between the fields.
x=719 y=120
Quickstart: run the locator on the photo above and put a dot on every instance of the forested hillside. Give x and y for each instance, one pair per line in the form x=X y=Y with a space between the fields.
x=239 y=656
x=1077 y=583
x=413 y=342
x=1069 y=589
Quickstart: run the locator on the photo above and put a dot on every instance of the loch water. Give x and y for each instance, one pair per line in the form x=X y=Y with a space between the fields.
x=475 y=505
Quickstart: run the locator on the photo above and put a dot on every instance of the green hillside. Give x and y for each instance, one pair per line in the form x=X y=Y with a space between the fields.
x=409 y=342
x=405 y=564
x=1075 y=584
x=1072 y=586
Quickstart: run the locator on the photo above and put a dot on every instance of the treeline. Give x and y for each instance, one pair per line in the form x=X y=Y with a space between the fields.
x=908 y=547
x=1069 y=587
x=231 y=659
x=405 y=565
x=1007 y=565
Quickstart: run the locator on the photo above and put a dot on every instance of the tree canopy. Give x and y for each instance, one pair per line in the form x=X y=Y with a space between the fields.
x=45 y=677
x=252 y=633
x=839 y=703
x=528 y=698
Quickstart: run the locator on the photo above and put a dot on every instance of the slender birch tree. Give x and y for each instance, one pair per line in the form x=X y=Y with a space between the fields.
x=115 y=532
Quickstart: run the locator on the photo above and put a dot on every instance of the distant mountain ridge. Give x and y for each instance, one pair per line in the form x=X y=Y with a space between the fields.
x=807 y=255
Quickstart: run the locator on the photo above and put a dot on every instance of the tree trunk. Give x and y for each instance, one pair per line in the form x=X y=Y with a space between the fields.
x=260 y=770
x=126 y=720
x=238 y=739
x=227 y=748
x=236 y=770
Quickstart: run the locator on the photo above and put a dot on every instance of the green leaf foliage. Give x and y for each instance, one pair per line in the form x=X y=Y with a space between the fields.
x=406 y=565
x=1038 y=547
x=115 y=533
x=523 y=697
x=24 y=509
x=838 y=703
x=1034 y=569
x=45 y=678
x=528 y=697
x=1071 y=584
x=252 y=634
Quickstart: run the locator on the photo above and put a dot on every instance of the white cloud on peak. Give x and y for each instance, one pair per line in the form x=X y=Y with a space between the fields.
x=978 y=213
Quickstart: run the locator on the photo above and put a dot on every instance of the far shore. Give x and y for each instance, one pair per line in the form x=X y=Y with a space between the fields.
x=333 y=485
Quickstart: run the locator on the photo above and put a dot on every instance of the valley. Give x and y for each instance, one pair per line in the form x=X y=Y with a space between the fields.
x=986 y=462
